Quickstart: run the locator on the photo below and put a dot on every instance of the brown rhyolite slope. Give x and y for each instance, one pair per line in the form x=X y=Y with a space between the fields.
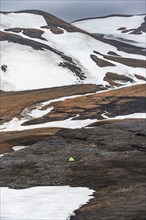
x=120 y=101
x=115 y=102
x=10 y=139
x=12 y=103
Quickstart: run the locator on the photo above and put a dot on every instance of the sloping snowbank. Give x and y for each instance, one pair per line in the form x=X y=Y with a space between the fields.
x=41 y=68
x=31 y=69
x=22 y=20
x=114 y=23
x=42 y=203
x=134 y=115
x=110 y=25
x=16 y=125
x=16 y=148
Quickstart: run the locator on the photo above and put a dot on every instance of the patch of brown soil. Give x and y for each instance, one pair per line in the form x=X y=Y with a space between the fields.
x=127 y=61
x=121 y=29
x=100 y=101
x=132 y=91
x=2 y=35
x=113 y=53
x=30 y=32
x=115 y=102
x=111 y=77
x=12 y=103
x=56 y=30
x=33 y=33
x=140 y=77
x=100 y=62
x=15 y=30
x=28 y=137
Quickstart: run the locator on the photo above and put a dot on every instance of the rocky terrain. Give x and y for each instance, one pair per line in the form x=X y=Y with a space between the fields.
x=110 y=158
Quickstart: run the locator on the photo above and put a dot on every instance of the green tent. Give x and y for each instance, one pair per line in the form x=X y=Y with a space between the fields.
x=71 y=159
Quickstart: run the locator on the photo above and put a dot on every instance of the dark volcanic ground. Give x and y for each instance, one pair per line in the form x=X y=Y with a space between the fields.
x=110 y=159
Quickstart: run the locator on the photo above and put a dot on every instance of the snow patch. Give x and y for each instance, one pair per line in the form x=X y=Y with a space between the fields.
x=1 y=155
x=16 y=148
x=22 y=20
x=134 y=115
x=38 y=113
x=16 y=124
x=43 y=203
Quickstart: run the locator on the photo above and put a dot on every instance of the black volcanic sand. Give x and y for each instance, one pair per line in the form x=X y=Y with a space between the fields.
x=110 y=159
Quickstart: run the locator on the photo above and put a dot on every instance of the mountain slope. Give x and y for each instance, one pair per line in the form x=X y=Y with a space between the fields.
x=101 y=124
x=128 y=29
x=42 y=51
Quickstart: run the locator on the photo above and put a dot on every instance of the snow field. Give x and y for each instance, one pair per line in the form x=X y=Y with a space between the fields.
x=39 y=69
x=35 y=69
x=43 y=203
x=21 y=20
x=99 y=25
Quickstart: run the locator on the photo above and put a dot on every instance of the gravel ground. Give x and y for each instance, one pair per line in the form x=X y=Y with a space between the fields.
x=110 y=158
